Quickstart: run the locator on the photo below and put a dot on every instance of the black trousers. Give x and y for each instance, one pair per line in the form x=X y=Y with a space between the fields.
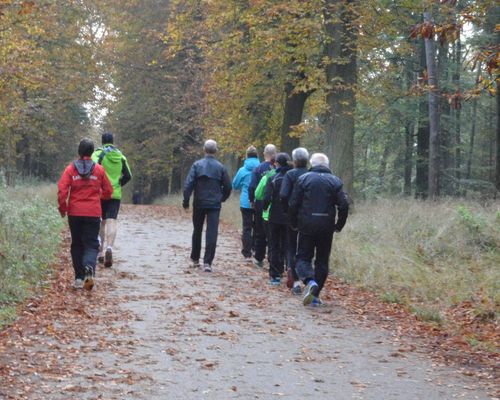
x=318 y=246
x=278 y=239
x=212 y=217
x=260 y=234
x=292 y=252
x=84 y=243
x=248 y=220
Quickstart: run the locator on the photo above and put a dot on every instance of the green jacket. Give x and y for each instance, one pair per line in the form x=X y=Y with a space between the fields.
x=116 y=166
x=260 y=191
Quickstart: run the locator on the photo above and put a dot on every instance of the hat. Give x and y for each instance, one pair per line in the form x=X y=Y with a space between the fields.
x=252 y=152
x=107 y=137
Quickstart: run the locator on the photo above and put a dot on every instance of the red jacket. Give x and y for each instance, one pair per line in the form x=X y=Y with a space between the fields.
x=85 y=183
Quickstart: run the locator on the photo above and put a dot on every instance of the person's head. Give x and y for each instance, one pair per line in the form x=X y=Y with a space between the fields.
x=252 y=152
x=270 y=152
x=85 y=148
x=300 y=157
x=210 y=147
x=320 y=160
x=107 y=138
x=282 y=159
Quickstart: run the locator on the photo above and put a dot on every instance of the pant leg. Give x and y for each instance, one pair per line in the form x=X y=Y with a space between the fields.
x=305 y=253
x=211 y=235
x=198 y=220
x=90 y=239
x=259 y=233
x=75 y=227
x=274 y=251
x=323 y=246
x=247 y=217
x=292 y=251
x=283 y=235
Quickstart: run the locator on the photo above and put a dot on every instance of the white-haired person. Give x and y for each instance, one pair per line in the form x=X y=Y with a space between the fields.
x=210 y=182
x=318 y=208
x=260 y=234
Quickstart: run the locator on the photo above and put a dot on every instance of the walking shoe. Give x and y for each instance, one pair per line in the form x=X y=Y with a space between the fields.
x=207 y=267
x=248 y=260
x=100 y=259
x=88 y=282
x=78 y=284
x=317 y=302
x=275 y=281
x=257 y=263
x=195 y=264
x=310 y=292
x=296 y=289
x=108 y=257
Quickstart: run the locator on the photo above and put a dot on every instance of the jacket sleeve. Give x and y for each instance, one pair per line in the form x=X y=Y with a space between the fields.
x=189 y=185
x=294 y=203
x=342 y=203
x=63 y=189
x=106 y=186
x=268 y=194
x=286 y=186
x=226 y=185
x=237 y=180
x=253 y=185
x=126 y=174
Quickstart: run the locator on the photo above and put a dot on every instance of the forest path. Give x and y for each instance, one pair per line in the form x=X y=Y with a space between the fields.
x=155 y=329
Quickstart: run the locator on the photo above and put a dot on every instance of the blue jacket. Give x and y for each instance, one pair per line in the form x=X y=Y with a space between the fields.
x=210 y=182
x=289 y=181
x=242 y=179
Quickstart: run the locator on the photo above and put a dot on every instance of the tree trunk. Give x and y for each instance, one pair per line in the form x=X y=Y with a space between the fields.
x=473 y=129
x=422 y=166
x=497 y=169
x=446 y=153
x=408 y=164
x=458 y=109
x=341 y=74
x=430 y=56
x=294 y=108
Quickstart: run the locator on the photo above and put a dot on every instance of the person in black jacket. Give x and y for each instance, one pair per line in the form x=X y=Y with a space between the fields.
x=300 y=157
x=316 y=197
x=210 y=182
x=278 y=221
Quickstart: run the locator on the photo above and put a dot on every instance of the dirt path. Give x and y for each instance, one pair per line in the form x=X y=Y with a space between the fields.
x=154 y=329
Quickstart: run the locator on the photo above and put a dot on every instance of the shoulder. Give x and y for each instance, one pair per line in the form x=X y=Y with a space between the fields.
x=337 y=181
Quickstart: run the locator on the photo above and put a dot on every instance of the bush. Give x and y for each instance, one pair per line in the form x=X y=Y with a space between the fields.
x=29 y=238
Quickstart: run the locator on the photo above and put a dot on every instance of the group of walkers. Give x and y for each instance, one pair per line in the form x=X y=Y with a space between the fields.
x=89 y=193
x=288 y=211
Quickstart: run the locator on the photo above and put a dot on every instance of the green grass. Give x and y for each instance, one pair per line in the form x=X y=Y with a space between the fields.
x=29 y=239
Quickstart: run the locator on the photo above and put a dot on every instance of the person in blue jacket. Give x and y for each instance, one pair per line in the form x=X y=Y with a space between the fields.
x=241 y=182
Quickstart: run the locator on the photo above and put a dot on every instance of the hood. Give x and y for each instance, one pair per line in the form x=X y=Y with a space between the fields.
x=85 y=167
x=320 y=168
x=251 y=163
x=112 y=154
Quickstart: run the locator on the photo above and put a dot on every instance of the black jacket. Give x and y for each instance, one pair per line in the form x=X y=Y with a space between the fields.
x=210 y=182
x=277 y=214
x=316 y=197
x=257 y=175
x=288 y=183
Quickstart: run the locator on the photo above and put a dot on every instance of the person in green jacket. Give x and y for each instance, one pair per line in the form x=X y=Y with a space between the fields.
x=118 y=171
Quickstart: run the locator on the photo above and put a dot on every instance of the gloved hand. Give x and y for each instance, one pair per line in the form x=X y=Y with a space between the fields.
x=185 y=205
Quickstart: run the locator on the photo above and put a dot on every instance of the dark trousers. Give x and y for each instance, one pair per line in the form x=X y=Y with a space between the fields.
x=308 y=245
x=277 y=249
x=212 y=216
x=260 y=236
x=84 y=243
x=248 y=220
x=292 y=252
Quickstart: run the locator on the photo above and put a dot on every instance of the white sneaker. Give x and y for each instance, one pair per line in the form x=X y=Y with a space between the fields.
x=78 y=284
x=207 y=268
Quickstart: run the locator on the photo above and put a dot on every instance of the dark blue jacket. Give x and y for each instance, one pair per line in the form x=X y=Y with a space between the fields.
x=257 y=175
x=210 y=182
x=316 y=197
x=288 y=183
x=277 y=215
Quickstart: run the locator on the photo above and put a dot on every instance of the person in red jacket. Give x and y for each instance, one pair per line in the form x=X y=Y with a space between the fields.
x=82 y=186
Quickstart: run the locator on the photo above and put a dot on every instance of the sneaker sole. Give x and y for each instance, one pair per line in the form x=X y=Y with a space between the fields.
x=108 y=259
x=88 y=283
x=309 y=296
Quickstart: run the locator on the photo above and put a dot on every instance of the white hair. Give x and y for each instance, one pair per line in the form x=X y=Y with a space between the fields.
x=210 y=146
x=270 y=151
x=300 y=155
x=319 y=160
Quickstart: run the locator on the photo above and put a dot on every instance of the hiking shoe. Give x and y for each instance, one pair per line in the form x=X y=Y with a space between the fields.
x=78 y=284
x=310 y=292
x=108 y=257
x=195 y=264
x=296 y=289
x=317 y=302
x=275 y=281
x=248 y=260
x=100 y=259
x=88 y=282
x=207 y=267
x=257 y=263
